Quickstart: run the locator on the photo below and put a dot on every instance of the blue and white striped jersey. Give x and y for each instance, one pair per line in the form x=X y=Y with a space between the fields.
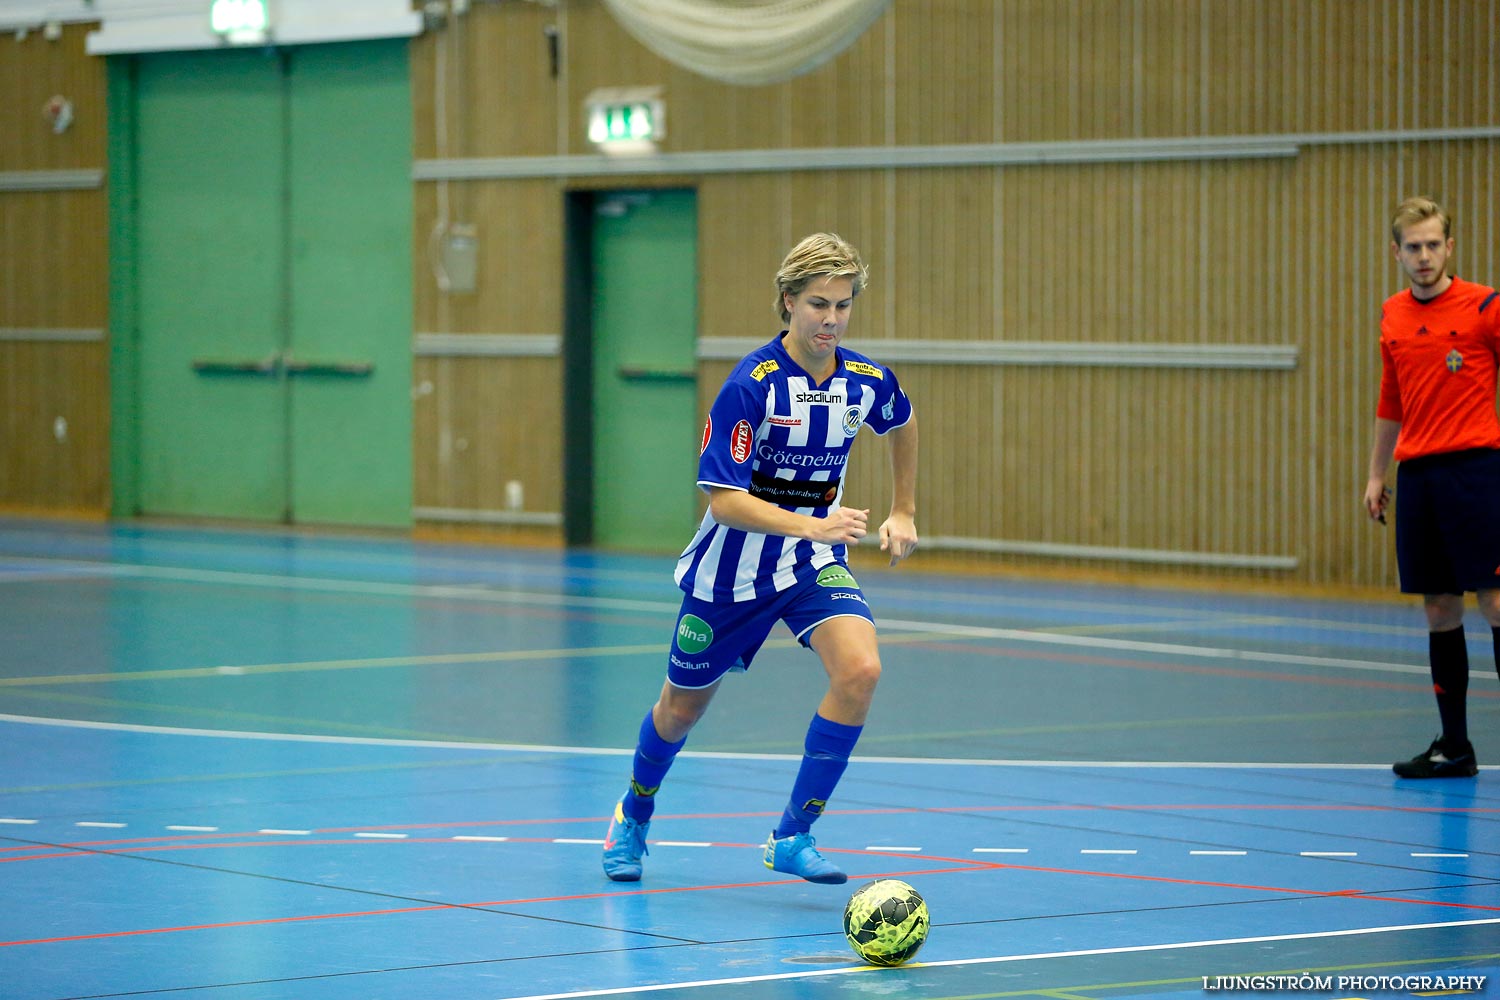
x=778 y=435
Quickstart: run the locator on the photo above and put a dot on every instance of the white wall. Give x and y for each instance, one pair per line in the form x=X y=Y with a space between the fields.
x=157 y=25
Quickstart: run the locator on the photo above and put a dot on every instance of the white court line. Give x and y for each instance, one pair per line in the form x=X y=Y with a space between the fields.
x=1087 y=850
x=286 y=833
x=128 y=727
x=1330 y=854
x=486 y=840
x=101 y=826
x=193 y=829
x=468 y=592
x=1417 y=854
x=18 y=822
x=1126 y=950
x=909 y=850
x=383 y=836
x=1220 y=854
x=1001 y=850
x=681 y=843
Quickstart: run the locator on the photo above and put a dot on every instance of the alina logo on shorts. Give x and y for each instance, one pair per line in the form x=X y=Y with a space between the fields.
x=694 y=635
x=835 y=576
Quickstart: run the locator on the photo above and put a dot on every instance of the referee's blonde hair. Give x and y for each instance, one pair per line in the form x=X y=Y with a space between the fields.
x=1415 y=210
x=817 y=256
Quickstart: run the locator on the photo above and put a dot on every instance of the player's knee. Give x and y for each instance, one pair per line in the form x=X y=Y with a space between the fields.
x=1445 y=612
x=675 y=718
x=1489 y=606
x=859 y=674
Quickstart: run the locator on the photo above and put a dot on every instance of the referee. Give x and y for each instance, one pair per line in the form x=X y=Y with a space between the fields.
x=1439 y=352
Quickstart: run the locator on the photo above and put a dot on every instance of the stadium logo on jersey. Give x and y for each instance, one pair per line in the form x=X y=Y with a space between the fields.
x=694 y=635
x=1454 y=360
x=739 y=442
x=708 y=432
x=853 y=417
x=835 y=576
x=861 y=368
x=763 y=369
x=820 y=397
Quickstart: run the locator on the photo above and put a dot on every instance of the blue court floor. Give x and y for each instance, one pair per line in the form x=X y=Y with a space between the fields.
x=259 y=764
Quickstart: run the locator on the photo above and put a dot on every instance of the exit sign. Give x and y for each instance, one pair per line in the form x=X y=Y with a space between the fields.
x=240 y=22
x=626 y=120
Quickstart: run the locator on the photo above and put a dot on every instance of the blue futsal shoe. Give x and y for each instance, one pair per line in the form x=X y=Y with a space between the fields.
x=796 y=855
x=623 y=846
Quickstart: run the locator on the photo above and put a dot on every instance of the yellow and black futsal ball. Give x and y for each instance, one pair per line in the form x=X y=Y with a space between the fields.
x=885 y=921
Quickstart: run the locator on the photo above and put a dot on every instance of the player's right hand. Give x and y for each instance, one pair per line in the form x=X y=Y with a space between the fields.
x=843 y=525
x=1377 y=496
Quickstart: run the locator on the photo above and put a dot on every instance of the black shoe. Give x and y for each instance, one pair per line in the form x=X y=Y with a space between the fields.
x=1440 y=761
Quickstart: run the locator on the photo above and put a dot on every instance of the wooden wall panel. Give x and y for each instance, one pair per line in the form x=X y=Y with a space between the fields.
x=53 y=259
x=1284 y=251
x=47 y=465
x=481 y=423
x=54 y=393
x=519 y=227
x=32 y=70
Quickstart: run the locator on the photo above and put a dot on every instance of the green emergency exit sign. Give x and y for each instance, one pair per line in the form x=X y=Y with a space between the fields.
x=240 y=22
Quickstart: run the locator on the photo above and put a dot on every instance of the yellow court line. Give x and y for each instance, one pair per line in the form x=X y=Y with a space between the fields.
x=1089 y=991
x=492 y=656
x=368 y=663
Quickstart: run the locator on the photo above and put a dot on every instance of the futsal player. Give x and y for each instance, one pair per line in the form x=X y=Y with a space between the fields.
x=1439 y=351
x=772 y=546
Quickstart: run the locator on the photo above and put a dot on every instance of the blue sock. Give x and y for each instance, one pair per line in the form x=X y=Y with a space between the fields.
x=825 y=755
x=653 y=756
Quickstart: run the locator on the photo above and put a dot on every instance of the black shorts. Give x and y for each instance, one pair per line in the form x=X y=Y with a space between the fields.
x=1448 y=522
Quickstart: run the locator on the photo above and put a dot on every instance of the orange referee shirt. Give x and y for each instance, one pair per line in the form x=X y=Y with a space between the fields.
x=1438 y=363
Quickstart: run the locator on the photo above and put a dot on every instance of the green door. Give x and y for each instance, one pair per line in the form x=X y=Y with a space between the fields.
x=211 y=285
x=646 y=428
x=350 y=347
x=273 y=284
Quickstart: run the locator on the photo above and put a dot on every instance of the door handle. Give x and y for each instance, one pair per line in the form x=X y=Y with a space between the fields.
x=268 y=365
x=344 y=369
x=638 y=374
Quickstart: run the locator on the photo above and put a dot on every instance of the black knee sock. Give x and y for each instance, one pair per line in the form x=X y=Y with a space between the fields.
x=1449 y=655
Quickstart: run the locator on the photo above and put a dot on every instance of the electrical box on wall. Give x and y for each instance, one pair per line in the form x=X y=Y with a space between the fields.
x=460 y=258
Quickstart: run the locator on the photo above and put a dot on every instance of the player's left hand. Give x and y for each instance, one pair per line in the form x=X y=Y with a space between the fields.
x=898 y=536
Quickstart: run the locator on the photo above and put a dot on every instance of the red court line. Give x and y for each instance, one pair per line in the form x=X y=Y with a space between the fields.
x=959 y=865
x=968 y=866
x=1329 y=893
x=1248 y=806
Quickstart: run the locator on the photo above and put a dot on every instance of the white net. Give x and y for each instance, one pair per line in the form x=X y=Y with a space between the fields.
x=747 y=42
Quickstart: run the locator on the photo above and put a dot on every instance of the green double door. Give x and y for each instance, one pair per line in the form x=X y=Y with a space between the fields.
x=271 y=238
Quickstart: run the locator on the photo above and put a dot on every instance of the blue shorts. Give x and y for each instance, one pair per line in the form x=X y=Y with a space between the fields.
x=713 y=639
x=1447 y=527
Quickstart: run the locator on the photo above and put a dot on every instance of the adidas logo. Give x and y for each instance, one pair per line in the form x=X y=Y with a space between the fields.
x=1423 y=331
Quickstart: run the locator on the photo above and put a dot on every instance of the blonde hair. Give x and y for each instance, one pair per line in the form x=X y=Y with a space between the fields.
x=1415 y=210
x=816 y=256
